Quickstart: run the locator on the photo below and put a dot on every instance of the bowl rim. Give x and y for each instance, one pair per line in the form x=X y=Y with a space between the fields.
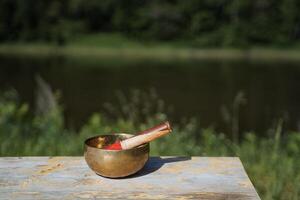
x=110 y=150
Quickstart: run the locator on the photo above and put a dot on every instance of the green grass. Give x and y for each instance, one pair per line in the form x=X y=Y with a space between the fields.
x=102 y=40
x=272 y=163
x=118 y=46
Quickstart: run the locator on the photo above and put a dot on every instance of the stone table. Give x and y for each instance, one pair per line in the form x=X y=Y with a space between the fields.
x=162 y=178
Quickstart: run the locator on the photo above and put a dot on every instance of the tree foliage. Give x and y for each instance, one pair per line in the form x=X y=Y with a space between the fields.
x=206 y=23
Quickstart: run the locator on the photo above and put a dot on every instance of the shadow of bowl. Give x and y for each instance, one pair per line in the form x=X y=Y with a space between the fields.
x=155 y=163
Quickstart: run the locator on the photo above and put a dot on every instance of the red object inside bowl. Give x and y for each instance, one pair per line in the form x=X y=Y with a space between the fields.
x=114 y=146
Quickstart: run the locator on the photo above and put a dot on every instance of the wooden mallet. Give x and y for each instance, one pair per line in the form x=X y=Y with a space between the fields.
x=142 y=137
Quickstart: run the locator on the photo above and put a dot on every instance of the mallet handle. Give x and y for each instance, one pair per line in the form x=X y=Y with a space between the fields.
x=141 y=139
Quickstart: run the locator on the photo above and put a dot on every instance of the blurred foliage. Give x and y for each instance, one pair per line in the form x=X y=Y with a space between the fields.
x=272 y=163
x=207 y=23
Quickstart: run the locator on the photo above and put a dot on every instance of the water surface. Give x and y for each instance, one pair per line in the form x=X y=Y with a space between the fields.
x=195 y=88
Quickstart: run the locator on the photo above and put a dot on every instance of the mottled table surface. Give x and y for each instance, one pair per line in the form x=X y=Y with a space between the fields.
x=161 y=178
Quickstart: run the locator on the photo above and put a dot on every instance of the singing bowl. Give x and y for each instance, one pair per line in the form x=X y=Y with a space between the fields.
x=114 y=163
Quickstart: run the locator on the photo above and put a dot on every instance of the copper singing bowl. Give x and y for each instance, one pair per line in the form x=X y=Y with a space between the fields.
x=114 y=163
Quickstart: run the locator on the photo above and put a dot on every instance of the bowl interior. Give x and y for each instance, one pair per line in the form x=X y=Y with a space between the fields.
x=100 y=141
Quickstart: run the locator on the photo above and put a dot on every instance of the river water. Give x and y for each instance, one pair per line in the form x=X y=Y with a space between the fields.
x=203 y=89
